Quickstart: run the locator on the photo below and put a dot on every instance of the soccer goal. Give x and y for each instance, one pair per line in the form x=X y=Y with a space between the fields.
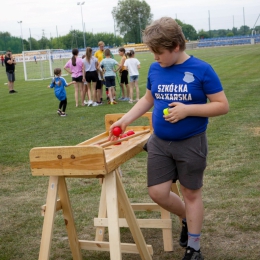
x=39 y=65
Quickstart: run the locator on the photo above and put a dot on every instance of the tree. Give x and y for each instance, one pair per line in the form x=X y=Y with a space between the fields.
x=131 y=17
x=244 y=30
x=202 y=34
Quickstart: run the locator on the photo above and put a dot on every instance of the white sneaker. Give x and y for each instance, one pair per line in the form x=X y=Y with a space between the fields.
x=85 y=102
x=90 y=102
x=95 y=104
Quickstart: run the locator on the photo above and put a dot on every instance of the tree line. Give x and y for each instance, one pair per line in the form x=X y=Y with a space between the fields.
x=130 y=16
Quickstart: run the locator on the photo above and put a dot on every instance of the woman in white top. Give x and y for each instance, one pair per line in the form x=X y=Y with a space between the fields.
x=90 y=64
x=133 y=65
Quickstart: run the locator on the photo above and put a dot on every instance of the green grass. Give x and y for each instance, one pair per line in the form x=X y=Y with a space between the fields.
x=231 y=185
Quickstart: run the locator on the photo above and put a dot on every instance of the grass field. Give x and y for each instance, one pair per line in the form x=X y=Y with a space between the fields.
x=231 y=186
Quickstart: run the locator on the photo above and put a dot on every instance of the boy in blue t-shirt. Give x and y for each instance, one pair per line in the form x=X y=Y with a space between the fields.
x=59 y=84
x=180 y=85
x=108 y=65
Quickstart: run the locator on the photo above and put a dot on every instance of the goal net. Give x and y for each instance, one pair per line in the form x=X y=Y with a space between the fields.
x=40 y=64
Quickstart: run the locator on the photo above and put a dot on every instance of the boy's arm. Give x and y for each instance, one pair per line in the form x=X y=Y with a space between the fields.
x=217 y=106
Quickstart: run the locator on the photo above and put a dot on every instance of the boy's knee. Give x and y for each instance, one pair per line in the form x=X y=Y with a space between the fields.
x=191 y=195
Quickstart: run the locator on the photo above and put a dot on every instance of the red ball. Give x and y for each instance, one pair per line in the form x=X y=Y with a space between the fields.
x=116 y=131
x=130 y=132
x=123 y=136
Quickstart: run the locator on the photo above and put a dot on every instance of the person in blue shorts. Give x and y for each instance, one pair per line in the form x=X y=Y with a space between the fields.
x=59 y=84
x=189 y=91
x=107 y=66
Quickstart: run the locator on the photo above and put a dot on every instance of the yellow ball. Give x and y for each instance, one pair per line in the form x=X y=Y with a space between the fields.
x=166 y=111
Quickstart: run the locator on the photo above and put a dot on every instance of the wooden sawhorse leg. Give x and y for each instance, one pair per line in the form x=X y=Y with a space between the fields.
x=58 y=185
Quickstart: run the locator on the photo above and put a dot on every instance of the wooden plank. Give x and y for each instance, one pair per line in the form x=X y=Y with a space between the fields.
x=69 y=220
x=58 y=207
x=112 y=214
x=167 y=231
x=145 y=207
x=131 y=220
x=95 y=139
x=67 y=161
x=104 y=246
x=102 y=213
x=142 y=223
x=119 y=154
x=47 y=229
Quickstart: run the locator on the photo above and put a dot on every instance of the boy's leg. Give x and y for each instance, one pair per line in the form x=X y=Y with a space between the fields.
x=194 y=209
x=163 y=196
x=194 y=217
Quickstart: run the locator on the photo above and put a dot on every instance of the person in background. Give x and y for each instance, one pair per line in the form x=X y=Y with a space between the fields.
x=2 y=59
x=124 y=76
x=10 y=70
x=107 y=65
x=99 y=54
x=100 y=83
x=90 y=75
x=35 y=59
x=59 y=84
x=75 y=67
x=133 y=65
x=184 y=92
x=85 y=86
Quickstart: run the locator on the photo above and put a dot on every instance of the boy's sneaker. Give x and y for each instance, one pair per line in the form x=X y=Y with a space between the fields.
x=85 y=102
x=192 y=254
x=95 y=104
x=63 y=114
x=121 y=99
x=184 y=235
x=90 y=102
x=59 y=112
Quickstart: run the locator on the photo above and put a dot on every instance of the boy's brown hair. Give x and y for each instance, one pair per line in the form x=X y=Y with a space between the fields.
x=107 y=52
x=164 y=33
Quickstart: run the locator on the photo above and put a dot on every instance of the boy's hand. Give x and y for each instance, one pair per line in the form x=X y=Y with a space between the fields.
x=118 y=124
x=176 y=112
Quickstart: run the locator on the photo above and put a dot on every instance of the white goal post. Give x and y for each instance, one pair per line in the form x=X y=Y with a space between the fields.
x=40 y=64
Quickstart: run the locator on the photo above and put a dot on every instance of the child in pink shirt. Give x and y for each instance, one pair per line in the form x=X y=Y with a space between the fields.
x=75 y=67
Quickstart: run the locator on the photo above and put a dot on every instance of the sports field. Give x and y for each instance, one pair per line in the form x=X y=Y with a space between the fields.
x=232 y=179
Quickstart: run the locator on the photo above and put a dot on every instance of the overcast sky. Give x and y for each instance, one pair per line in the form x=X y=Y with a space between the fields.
x=52 y=16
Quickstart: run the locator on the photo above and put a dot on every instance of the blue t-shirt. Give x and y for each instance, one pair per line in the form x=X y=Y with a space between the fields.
x=59 y=90
x=188 y=83
x=109 y=64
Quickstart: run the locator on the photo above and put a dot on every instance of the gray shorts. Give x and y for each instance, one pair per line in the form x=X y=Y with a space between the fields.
x=183 y=160
x=10 y=76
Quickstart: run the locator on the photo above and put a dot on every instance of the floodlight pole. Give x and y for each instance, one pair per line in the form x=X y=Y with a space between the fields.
x=82 y=3
x=20 y=22
x=140 y=27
